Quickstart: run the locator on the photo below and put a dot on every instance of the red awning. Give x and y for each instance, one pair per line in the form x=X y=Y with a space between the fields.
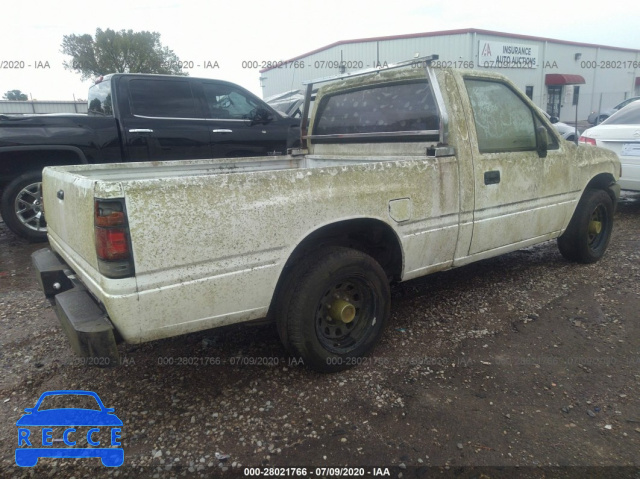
x=563 y=79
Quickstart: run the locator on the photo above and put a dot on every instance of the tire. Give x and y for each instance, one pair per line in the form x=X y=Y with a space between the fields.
x=587 y=236
x=335 y=309
x=21 y=205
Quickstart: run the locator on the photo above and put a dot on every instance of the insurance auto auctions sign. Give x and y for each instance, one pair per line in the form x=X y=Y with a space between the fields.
x=506 y=55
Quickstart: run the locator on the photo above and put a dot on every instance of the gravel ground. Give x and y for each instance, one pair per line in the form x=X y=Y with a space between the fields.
x=518 y=366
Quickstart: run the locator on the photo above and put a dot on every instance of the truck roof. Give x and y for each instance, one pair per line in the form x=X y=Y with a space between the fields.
x=111 y=76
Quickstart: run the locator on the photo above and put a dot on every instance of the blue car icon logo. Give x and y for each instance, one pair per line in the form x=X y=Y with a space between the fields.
x=85 y=431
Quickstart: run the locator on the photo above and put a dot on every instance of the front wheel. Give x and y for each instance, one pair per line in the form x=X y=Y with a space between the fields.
x=22 y=208
x=336 y=309
x=587 y=236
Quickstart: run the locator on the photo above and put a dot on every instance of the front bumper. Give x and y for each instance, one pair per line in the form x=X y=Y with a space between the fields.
x=84 y=321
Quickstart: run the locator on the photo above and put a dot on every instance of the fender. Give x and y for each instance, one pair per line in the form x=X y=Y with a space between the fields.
x=341 y=233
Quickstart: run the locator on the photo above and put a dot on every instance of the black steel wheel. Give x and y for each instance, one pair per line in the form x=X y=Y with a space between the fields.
x=342 y=315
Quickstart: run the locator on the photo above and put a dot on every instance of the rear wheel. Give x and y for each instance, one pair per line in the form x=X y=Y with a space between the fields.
x=336 y=309
x=22 y=208
x=587 y=236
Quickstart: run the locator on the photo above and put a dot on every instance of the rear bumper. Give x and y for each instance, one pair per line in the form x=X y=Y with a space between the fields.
x=84 y=321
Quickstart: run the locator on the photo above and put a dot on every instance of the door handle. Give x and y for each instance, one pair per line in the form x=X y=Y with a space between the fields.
x=492 y=177
x=140 y=130
x=222 y=131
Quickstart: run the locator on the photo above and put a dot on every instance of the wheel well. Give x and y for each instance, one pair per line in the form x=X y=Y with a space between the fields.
x=16 y=163
x=371 y=236
x=602 y=182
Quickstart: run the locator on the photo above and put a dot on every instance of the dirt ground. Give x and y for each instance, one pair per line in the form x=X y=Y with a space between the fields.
x=524 y=365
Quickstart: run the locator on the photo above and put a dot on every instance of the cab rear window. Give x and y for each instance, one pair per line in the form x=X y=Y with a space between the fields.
x=384 y=109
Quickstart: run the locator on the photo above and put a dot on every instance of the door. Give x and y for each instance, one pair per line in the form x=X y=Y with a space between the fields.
x=519 y=196
x=240 y=124
x=165 y=121
x=554 y=100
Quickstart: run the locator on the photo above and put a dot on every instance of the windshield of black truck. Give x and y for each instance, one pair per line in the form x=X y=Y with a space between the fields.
x=99 y=102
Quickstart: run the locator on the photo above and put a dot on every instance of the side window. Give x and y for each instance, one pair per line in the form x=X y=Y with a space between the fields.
x=100 y=99
x=503 y=121
x=406 y=107
x=227 y=103
x=162 y=98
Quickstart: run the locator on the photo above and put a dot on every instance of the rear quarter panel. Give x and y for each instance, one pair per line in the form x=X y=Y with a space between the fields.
x=209 y=248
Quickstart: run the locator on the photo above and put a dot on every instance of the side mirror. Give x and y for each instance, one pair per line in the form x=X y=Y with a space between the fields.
x=554 y=119
x=261 y=115
x=542 y=141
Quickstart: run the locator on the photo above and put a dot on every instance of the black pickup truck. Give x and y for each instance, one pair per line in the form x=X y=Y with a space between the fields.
x=134 y=117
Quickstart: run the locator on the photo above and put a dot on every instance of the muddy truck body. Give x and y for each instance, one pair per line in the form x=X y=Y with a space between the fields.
x=403 y=172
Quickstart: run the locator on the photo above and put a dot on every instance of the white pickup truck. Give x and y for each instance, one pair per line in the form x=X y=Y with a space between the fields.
x=404 y=171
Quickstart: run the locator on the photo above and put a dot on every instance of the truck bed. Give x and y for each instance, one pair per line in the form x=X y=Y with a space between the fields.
x=188 y=168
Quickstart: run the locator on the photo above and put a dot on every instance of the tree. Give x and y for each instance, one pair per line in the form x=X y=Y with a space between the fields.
x=15 y=95
x=125 y=51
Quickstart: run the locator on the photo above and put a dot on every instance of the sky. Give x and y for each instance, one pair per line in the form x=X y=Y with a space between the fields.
x=232 y=31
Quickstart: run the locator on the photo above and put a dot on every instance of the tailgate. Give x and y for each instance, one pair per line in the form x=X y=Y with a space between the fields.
x=68 y=203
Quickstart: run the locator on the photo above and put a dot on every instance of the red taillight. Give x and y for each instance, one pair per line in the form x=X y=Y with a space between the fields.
x=115 y=218
x=587 y=141
x=112 y=244
x=112 y=239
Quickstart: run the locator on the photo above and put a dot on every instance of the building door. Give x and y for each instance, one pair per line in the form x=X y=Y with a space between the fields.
x=554 y=95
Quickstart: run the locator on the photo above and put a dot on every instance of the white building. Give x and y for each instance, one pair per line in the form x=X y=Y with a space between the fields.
x=549 y=71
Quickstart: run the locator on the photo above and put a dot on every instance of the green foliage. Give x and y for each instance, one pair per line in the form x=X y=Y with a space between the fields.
x=125 y=51
x=15 y=95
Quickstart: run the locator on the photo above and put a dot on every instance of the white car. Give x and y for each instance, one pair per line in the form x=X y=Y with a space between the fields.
x=620 y=133
x=598 y=117
x=566 y=131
